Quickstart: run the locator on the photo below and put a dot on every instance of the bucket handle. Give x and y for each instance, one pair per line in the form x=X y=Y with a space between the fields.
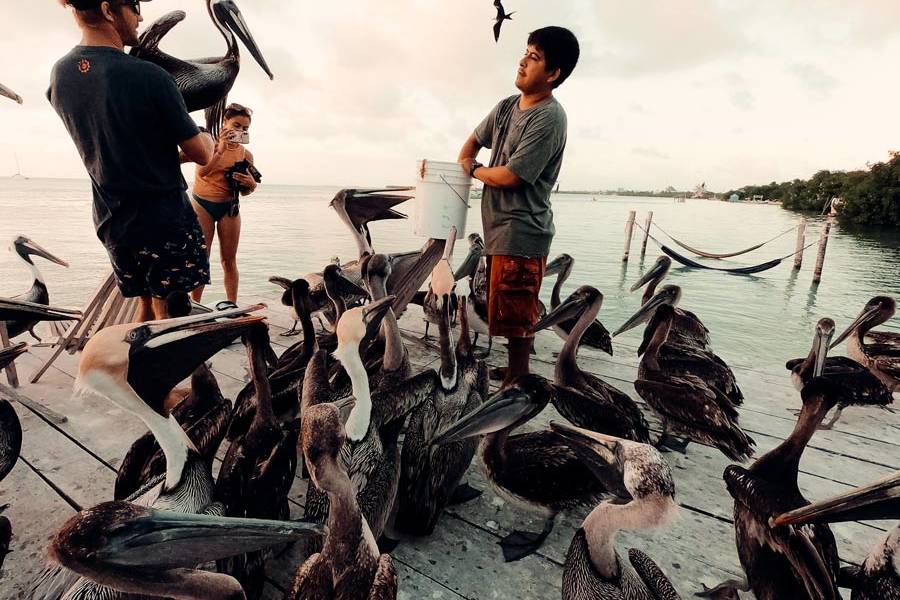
x=455 y=192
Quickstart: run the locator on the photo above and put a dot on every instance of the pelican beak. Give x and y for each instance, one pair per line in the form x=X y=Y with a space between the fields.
x=820 y=348
x=8 y=355
x=5 y=91
x=557 y=265
x=470 y=262
x=230 y=16
x=601 y=445
x=643 y=314
x=35 y=249
x=451 y=241
x=163 y=353
x=18 y=309
x=500 y=411
x=880 y=500
x=133 y=536
x=373 y=314
x=864 y=316
x=572 y=308
x=658 y=268
x=348 y=289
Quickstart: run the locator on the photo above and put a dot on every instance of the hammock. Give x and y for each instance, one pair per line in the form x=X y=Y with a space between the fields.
x=725 y=255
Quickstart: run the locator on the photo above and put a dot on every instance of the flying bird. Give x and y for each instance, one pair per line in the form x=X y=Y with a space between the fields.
x=502 y=15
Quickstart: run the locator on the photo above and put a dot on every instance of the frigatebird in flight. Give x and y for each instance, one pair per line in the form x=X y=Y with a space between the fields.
x=501 y=16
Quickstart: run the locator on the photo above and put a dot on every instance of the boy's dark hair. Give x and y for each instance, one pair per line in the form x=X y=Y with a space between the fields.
x=560 y=48
x=234 y=109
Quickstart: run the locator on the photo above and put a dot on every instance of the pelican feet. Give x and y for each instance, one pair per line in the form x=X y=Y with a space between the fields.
x=669 y=443
x=519 y=544
x=727 y=590
x=290 y=332
x=463 y=493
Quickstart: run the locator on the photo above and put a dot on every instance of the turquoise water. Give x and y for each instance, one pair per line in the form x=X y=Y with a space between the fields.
x=755 y=320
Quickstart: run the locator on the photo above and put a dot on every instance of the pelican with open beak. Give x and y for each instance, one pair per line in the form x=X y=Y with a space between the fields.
x=138 y=550
x=5 y=91
x=358 y=208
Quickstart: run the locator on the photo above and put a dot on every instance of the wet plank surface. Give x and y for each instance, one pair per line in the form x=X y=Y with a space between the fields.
x=72 y=464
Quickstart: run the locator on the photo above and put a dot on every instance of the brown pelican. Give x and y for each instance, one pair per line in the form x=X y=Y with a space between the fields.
x=146 y=552
x=5 y=534
x=350 y=564
x=474 y=269
x=596 y=335
x=782 y=562
x=431 y=474
x=536 y=469
x=582 y=397
x=688 y=328
x=204 y=82
x=358 y=208
x=682 y=353
x=593 y=569
x=432 y=302
x=502 y=15
x=858 y=387
x=5 y=91
x=203 y=415
x=878 y=578
x=879 y=351
x=259 y=468
x=25 y=248
x=10 y=427
x=685 y=400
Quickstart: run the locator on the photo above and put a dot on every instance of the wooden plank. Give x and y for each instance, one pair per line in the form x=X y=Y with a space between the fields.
x=12 y=376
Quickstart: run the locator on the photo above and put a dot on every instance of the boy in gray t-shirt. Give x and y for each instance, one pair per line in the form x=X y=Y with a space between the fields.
x=527 y=136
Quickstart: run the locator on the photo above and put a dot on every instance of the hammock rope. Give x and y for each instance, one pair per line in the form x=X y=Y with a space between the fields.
x=736 y=270
x=724 y=255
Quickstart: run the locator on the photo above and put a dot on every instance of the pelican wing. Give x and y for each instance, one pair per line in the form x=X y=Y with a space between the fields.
x=148 y=43
x=384 y=586
x=396 y=402
x=883 y=342
x=590 y=412
x=652 y=576
x=10 y=438
x=889 y=365
x=313 y=579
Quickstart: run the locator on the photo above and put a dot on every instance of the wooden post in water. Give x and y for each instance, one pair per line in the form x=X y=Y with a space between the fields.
x=647 y=224
x=801 y=241
x=629 y=230
x=820 y=259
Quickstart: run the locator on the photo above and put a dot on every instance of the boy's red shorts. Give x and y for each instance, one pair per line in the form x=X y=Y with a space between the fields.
x=513 y=289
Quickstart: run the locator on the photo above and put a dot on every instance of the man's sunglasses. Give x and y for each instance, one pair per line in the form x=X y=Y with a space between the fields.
x=134 y=4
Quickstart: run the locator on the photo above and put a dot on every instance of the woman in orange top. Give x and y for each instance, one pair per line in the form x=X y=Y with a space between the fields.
x=216 y=198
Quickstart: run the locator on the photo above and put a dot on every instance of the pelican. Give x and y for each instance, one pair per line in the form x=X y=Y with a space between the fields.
x=350 y=564
x=357 y=208
x=10 y=427
x=432 y=302
x=596 y=335
x=146 y=552
x=5 y=91
x=688 y=328
x=203 y=415
x=593 y=569
x=5 y=534
x=536 y=469
x=858 y=387
x=25 y=248
x=135 y=366
x=582 y=397
x=502 y=15
x=474 y=267
x=782 y=562
x=878 y=577
x=204 y=82
x=430 y=474
x=686 y=402
x=682 y=353
x=879 y=351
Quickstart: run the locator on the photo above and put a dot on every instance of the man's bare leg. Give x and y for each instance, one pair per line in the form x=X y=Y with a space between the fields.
x=159 y=308
x=519 y=353
x=145 y=310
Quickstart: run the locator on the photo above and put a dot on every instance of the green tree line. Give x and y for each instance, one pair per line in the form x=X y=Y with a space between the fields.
x=871 y=196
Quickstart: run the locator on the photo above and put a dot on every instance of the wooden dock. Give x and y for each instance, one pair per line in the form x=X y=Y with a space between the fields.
x=69 y=463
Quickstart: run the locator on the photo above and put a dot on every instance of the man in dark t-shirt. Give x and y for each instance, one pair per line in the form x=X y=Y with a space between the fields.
x=527 y=136
x=128 y=119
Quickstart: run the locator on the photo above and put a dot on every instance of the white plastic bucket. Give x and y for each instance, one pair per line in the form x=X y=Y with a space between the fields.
x=442 y=199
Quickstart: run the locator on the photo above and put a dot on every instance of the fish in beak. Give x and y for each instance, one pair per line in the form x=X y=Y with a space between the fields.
x=657 y=271
x=572 y=308
x=163 y=353
x=880 y=500
x=26 y=246
x=5 y=91
x=227 y=12
x=13 y=310
x=8 y=355
x=821 y=340
x=669 y=294
x=504 y=409
x=125 y=535
x=877 y=310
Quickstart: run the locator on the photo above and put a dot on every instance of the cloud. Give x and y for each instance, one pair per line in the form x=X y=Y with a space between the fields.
x=650 y=153
x=813 y=78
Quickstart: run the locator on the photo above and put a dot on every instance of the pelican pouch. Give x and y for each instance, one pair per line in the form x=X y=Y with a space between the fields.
x=513 y=304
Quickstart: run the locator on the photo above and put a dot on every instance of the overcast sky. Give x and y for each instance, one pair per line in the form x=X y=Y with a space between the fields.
x=667 y=92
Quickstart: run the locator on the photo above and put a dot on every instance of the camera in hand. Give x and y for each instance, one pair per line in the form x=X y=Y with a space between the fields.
x=245 y=167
